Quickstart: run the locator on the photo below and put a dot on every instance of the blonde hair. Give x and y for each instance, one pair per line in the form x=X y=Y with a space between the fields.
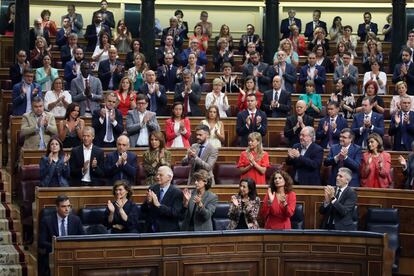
x=258 y=137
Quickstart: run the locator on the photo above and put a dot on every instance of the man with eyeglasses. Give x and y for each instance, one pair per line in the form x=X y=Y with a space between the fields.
x=36 y=31
x=175 y=32
x=345 y=154
x=286 y=71
x=24 y=92
x=75 y=19
x=404 y=71
x=348 y=73
x=402 y=125
x=314 y=72
x=167 y=73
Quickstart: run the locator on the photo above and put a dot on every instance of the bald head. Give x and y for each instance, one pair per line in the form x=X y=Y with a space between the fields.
x=122 y=143
x=277 y=83
x=300 y=107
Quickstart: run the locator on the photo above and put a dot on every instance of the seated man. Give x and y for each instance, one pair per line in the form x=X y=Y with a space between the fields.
x=121 y=164
x=330 y=126
x=72 y=67
x=86 y=90
x=92 y=32
x=38 y=126
x=155 y=93
x=366 y=122
x=174 y=31
x=285 y=70
x=366 y=27
x=17 y=69
x=76 y=19
x=107 y=122
x=87 y=161
x=296 y=122
x=404 y=71
x=107 y=16
x=111 y=71
x=306 y=158
x=345 y=154
x=193 y=48
x=312 y=71
x=402 y=127
x=287 y=22
x=62 y=36
x=248 y=37
x=276 y=102
x=348 y=73
x=163 y=204
x=257 y=69
x=140 y=122
x=202 y=155
x=339 y=203
x=58 y=224
x=167 y=73
x=36 y=31
x=168 y=48
x=67 y=52
x=250 y=120
x=24 y=92
x=315 y=23
x=188 y=93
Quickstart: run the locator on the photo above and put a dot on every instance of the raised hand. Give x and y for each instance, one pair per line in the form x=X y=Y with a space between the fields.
x=234 y=200
x=270 y=194
x=110 y=206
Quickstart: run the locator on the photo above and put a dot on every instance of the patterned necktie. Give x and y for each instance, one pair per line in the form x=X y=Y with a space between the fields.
x=109 y=133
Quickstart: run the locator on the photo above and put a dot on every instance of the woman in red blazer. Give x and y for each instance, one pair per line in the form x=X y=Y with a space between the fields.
x=280 y=202
x=375 y=167
x=177 y=128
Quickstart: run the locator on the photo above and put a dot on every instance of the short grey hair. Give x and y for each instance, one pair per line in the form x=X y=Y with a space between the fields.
x=347 y=173
x=89 y=129
x=73 y=35
x=167 y=170
x=311 y=132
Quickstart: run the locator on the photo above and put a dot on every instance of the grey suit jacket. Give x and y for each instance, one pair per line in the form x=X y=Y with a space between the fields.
x=77 y=26
x=202 y=216
x=77 y=89
x=30 y=131
x=350 y=81
x=205 y=162
x=133 y=126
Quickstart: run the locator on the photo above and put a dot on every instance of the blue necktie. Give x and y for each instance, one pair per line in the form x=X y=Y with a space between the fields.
x=200 y=151
x=62 y=228
x=161 y=194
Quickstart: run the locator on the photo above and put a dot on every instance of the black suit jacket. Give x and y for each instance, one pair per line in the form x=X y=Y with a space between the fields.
x=282 y=111
x=284 y=27
x=76 y=164
x=167 y=77
x=127 y=171
x=409 y=78
x=161 y=101
x=104 y=74
x=241 y=127
x=341 y=211
x=341 y=123
x=309 y=29
x=109 y=18
x=32 y=37
x=290 y=133
x=14 y=73
x=66 y=55
x=194 y=97
x=402 y=132
x=166 y=217
x=100 y=129
x=92 y=37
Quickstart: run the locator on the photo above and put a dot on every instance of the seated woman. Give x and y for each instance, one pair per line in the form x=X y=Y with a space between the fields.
x=244 y=207
x=212 y=120
x=229 y=80
x=322 y=59
x=54 y=166
x=137 y=73
x=156 y=156
x=319 y=38
x=121 y=215
x=218 y=98
x=371 y=90
x=127 y=97
x=408 y=168
x=177 y=128
x=41 y=49
x=341 y=48
x=47 y=74
x=136 y=46
x=254 y=160
x=336 y=30
x=401 y=88
x=222 y=55
x=372 y=50
x=101 y=51
x=377 y=76
x=198 y=72
x=70 y=129
x=279 y=203
x=312 y=100
x=250 y=87
x=375 y=168
x=292 y=57
x=224 y=33
x=298 y=40
x=57 y=99
x=122 y=37
x=202 y=38
x=199 y=205
x=345 y=99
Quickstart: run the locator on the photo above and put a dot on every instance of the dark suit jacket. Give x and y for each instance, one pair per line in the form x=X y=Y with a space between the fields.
x=284 y=27
x=409 y=78
x=284 y=104
x=32 y=37
x=289 y=77
x=48 y=228
x=341 y=211
x=109 y=18
x=167 y=77
x=402 y=132
x=164 y=218
x=100 y=129
x=194 y=97
x=319 y=80
x=201 y=59
x=92 y=37
x=244 y=41
x=242 y=130
x=341 y=123
x=66 y=55
x=362 y=33
x=161 y=100
x=309 y=29
x=104 y=74
x=308 y=166
x=160 y=54
x=76 y=164
x=264 y=81
x=68 y=74
x=61 y=39
x=14 y=73
x=377 y=120
x=19 y=100
x=178 y=38
x=127 y=171
x=291 y=121
x=352 y=162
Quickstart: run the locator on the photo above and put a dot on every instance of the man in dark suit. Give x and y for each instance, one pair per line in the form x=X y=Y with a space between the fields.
x=16 y=70
x=347 y=73
x=167 y=73
x=402 y=126
x=296 y=122
x=189 y=94
x=36 y=31
x=366 y=27
x=258 y=70
x=87 y=161
x=193 y=49
x=111 y=71
x=58 y=224
x=24 y=92
x=287 y=22
x=276 y=102
x=174 y=31
x=67 y=52
x=72 y=68
x=345 y=154
x=93 y=31
x=285 y=70
x=168 y=48
x=312 y=71
x=248 y=37
x=311 y=26
x=155 y=93
x=107 y=16
x=404 y=71
x=339 y=203
x=330 y=126
x=367 y=122
x=306 y=158
x=107 y=122
x=162 y=206
x=121 y=164
x=250 y=120
x=62 y=36
x=76 y=19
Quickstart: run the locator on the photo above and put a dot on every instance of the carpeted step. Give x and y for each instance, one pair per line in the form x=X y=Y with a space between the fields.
x=11 y=255
x=13 y=270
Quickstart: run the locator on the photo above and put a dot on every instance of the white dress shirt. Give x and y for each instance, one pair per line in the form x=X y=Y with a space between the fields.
x=87 y=152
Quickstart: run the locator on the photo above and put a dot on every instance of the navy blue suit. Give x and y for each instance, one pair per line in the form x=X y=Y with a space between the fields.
x=201 y=59
x=409 y=78
x=126 y=171
x=403 y=133
x=61 y=39
x=307 y=168
x=100 y=128
x=243 y=131
x=319 y=80
x=92 y=37
x=19 y=99
x=66 y=54
x=77 y=160
x=309 y=29
x=284 y=104
x=160 y=101
x=352 y=162
x=377 y=121
x=289 y=77
x=284 y=27
x=104 y=74
x=167 y=76
x=341 y=123
x=362 y=32
x=68 y=74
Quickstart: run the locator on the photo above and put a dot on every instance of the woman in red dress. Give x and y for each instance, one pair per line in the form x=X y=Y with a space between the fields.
x=250 y=87
x=127 y=97
x=279 y=202
x=254 y=160
x=177 y=128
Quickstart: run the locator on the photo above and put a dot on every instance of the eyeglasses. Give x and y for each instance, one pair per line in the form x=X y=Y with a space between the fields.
x=141 y=103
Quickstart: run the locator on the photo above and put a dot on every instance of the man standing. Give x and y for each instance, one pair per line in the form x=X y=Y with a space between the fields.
x=315 y=23
x=73 y=64
x=345 y=154
x=107 y=16
x=167 y=73
x=188 y=93
x=404 y=71
x=250 y=37
x=366 y=27
x=286 y=71
x=24 y=92
x=92 y=32
x=296 y=122
x=63 y=34
x=155 y=93
x=348 y=73
x=276 y=102
x=17 y=69
x=402 y=126
x=330 y=126
x=314 y=72
x=287 y=22
x=193 y=49
x=339 y=203
x=258 y=70
x=36 y=31
x=201 y=155
x=67 y=52
x=163 y=204
x=175 y=32
x=111 y=71
x=76 y=19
